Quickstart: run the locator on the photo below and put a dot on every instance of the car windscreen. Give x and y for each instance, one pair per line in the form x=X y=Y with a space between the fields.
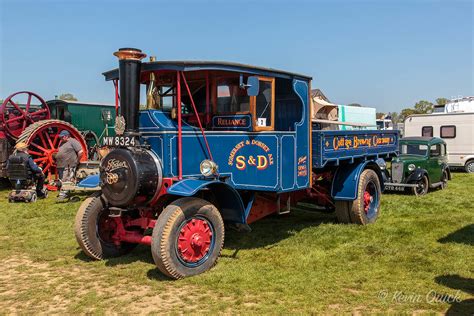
x=413 y=149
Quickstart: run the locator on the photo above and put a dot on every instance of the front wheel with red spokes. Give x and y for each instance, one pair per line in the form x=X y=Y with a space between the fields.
x=95 y=229
x=187 y=238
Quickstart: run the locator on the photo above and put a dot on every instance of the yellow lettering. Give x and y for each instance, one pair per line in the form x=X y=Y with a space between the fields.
x=240 y=162
x=262 y=162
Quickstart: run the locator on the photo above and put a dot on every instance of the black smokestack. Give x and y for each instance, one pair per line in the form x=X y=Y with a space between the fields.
x=129 y=79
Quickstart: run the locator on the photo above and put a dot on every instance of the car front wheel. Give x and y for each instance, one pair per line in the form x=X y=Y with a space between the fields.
x=187 y=238
x=421 y=186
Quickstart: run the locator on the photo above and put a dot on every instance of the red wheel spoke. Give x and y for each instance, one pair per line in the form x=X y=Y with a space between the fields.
x=28 y=103
x=41 y=136
x=34 y=114
x=50 y=142
x=35 y=153
x=40 y=159
x=38 y=146
x=16 y=106
x=45 y=169
x=16 y=118
x=56 y=138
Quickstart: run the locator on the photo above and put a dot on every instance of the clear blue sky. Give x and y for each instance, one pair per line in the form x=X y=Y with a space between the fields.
x=384 y=54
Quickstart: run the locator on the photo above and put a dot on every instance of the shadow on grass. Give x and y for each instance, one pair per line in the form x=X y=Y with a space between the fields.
x=457 y=282
x=5 y=184
x=268 y=231
x=140 y=253
x=464 y=235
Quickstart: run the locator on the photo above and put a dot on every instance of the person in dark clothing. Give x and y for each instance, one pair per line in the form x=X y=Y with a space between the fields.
x=20 y=166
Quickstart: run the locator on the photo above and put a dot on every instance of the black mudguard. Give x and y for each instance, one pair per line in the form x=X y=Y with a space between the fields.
x=446 y=167
x=416 y=175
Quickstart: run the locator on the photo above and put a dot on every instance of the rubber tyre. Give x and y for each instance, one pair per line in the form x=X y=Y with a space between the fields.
x=444 y=180
x=166 y=232
x=87 y=236
x=352 y=212
x=469 y=166
x=426 y=184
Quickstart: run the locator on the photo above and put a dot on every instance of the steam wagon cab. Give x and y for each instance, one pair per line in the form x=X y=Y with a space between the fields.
x=219 y=143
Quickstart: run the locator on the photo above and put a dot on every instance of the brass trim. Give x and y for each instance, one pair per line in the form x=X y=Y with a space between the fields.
x=129 y=54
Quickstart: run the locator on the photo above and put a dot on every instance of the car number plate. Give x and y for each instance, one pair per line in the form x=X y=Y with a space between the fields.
x=119 y=141
x=394 y=188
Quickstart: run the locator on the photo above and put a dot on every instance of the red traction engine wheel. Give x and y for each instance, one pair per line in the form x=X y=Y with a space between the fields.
x=15 y=118
x=43 y=141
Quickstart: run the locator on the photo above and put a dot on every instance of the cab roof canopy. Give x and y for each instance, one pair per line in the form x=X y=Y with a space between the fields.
x=211 y=66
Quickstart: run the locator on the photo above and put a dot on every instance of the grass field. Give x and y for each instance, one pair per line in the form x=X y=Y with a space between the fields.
x=417 y=258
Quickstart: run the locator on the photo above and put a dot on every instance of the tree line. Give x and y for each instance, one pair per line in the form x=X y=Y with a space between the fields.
x=420 y=107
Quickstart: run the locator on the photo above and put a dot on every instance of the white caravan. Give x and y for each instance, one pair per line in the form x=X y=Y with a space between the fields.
x=456 y=129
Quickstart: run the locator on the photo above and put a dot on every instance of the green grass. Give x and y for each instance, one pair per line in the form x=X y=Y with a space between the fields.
x=417 y=256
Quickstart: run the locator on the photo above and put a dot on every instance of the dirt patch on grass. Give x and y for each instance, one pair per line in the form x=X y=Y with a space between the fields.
x=27 y=286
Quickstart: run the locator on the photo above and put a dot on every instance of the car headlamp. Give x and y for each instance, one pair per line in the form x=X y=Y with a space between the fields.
x=208 y=168
x=381 y=163
x=411 y=167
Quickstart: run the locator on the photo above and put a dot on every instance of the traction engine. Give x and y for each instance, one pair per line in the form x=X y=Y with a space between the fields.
x=31 y=123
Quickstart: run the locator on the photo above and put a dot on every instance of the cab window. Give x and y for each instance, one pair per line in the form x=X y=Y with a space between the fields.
x=198 y=92
x=443 y=150
x=231 y=99
x=435 y=150
x=263 y=105
x=414 y=149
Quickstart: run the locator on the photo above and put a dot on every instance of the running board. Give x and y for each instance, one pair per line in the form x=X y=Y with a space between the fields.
x=405 y=185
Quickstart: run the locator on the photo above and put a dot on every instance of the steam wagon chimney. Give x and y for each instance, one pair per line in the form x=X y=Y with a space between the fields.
x=129 y=78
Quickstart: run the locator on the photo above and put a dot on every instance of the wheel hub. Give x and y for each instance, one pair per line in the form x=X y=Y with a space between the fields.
x=368 y=199
x=106 y=228
x=194 y=240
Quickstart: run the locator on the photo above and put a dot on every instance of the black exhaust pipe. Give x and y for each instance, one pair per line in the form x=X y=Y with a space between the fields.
x=129 y=79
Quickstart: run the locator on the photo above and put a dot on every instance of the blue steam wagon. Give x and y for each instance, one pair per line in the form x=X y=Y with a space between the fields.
x=219 y=144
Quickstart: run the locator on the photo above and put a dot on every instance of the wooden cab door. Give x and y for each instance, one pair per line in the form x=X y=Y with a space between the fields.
x=262 y=106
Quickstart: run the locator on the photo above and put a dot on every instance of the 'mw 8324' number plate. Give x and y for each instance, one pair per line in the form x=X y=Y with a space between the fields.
x=119 y=141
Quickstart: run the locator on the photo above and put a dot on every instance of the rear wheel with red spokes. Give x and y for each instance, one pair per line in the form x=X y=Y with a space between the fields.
x=366 y=208
x=43 y=142
x=16 y=117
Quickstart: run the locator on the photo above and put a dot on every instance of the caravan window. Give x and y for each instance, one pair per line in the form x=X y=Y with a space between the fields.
x=448 y=131
x=427 y=131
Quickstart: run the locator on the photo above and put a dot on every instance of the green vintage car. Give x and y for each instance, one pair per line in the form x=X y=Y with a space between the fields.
x=421 y=165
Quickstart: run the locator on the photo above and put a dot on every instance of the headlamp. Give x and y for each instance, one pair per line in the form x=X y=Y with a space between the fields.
x=411 y=167
x=208 y=168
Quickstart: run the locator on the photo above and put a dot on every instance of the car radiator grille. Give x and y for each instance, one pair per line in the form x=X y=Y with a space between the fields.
x=397 y=172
